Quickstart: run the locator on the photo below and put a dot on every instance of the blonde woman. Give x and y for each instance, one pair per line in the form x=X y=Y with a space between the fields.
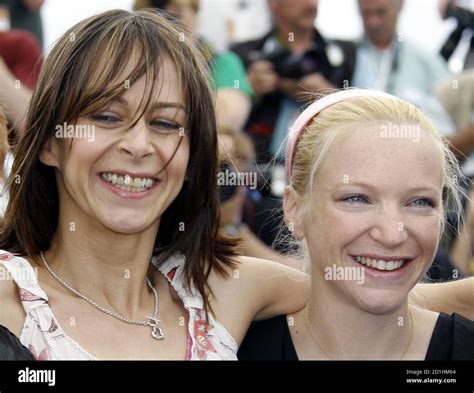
x=367 y=204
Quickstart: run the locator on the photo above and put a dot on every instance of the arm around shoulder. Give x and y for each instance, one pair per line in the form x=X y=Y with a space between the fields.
x=450 y=297
x=274 y=289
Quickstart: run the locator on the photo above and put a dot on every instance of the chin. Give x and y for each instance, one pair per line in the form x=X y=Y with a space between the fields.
x=126 y=224
x=380 y=301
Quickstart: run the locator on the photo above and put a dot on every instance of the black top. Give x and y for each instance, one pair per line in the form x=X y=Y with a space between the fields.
x=452 y=339
x=11 y=348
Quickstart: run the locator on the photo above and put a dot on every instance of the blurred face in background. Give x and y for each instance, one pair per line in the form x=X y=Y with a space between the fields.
x=185 y=12
x=297 y=15
x=380 y=20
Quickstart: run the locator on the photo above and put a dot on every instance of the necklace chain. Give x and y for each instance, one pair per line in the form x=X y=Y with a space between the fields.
x=149 y=321
x=329 y=357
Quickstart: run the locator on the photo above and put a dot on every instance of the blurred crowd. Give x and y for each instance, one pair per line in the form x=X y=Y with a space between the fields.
x=261 y=87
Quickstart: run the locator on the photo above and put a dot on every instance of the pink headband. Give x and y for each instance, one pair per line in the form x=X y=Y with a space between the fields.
x=317 y=107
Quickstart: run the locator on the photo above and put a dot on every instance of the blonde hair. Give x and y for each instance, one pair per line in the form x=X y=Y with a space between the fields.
x=332 y=123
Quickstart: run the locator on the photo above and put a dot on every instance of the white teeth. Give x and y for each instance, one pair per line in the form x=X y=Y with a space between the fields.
x=380 y=264
x=128 y=183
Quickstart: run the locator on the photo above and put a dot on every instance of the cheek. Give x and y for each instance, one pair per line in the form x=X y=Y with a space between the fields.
x=327 y=230
x=426 y=232
x=78 y=155
x=337 y=223
x=179 y=163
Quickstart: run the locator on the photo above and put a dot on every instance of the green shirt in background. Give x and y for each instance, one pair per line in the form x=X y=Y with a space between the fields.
x=228 y=71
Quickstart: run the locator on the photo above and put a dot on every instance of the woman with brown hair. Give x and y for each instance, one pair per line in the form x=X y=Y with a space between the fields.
x=111 y=233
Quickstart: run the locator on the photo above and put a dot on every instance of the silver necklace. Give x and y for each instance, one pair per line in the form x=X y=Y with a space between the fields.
x=153 y=322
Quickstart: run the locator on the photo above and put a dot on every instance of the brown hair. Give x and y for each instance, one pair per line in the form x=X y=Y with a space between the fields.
x=4 y=146
x=79 y=77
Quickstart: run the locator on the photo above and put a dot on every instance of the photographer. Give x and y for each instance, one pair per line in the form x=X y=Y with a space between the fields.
x=291 y=60
x=285 y=68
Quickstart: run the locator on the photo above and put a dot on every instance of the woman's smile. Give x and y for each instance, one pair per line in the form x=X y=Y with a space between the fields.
x=129 y=185
x=382 y=267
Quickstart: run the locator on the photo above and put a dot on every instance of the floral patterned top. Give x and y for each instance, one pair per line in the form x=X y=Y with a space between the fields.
x=45 y=339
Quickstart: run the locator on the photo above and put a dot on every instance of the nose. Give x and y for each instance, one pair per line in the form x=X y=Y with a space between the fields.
x=389 y=228
x=136 y=141
x=372 y=19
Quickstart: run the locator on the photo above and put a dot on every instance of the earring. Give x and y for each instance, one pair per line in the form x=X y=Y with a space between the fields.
x=291 y=226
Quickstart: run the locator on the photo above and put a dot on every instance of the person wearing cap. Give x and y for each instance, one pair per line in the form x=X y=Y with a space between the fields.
x=369 y=181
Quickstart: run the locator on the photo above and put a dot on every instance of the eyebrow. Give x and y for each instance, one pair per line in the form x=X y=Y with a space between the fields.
x=373 y=188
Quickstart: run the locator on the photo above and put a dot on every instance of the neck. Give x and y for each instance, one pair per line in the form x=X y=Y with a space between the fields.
x=382 y=45
x=297 y=40
x=345 y=331
x=107 y=267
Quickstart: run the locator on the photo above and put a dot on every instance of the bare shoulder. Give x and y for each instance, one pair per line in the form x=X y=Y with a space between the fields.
x=258 y=289
x=12 y=315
